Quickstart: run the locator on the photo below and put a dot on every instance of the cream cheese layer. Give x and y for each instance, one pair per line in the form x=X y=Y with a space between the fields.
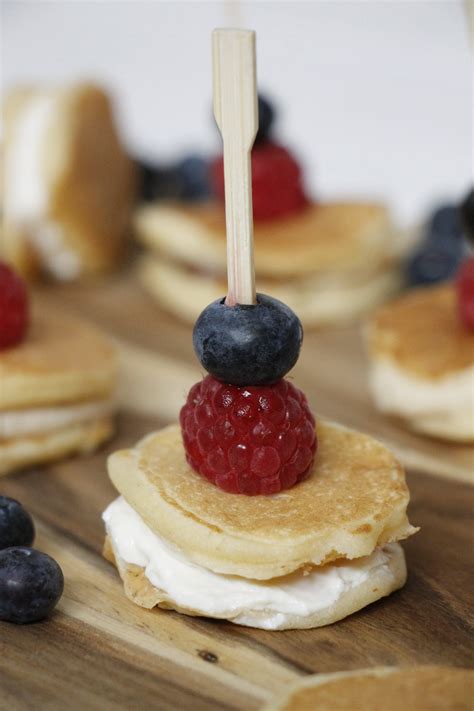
x=442 y=406
x=27 y=192
x=267 y=604
x=38 y=421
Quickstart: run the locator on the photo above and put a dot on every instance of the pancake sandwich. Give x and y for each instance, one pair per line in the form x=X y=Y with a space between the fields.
x=419 y=688
x=68 y=185
x=421 y=350
x=330 y=262
x=246 y=510
x=57 y=380
x=303 y=557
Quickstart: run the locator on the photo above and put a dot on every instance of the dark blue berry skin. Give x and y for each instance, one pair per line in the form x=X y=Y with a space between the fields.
x=248 y=345
x=31 y=584
x=159 y=182
x=266 y=114
x=432 y=264
x=445 y=221
x=188 y=179
x=16 y=525
x=467 y=216
x=442 y=250
x=193 y=172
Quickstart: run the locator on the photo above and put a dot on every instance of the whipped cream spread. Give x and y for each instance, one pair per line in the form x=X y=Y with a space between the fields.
x=27 y=193
x=264 y=604
x=444 y=403
x=21 y=423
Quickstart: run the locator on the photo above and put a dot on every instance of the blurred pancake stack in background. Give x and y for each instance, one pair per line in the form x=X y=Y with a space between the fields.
x=68 y=184
x=330 y=261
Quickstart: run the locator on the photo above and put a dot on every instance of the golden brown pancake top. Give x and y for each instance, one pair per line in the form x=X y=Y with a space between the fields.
x=354 y=499
x=322 y=237
x=422 y=332
x=62 y=359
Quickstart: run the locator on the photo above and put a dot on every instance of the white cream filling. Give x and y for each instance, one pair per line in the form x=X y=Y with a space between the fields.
x=444 y=405
x=27 y=193
x=267 y=604
x=21 y=423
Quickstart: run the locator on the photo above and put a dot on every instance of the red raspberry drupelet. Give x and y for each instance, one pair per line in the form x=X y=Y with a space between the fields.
x=14 y=313
x=465 y=291
x=277 y=187
x=248 y=440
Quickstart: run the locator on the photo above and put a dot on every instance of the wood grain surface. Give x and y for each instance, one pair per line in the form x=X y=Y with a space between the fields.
x=99 y=651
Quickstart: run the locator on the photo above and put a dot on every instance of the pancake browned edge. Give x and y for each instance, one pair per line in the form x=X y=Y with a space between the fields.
x=324 y=518
x=90 y=180
x=379 y=584
x=330 y=262
x=64 y=363
x=422 y=688
x=422 y=363
x=80 y=438
x=317 y=300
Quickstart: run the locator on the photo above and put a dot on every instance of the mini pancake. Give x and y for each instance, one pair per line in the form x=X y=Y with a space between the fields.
x=420 y=688
x=317 y=299
x=62 y=360
x=354 y=500
x=383 y=581
x=321 y=238
x=80 y=438
x=69 y=185
x=422 y=363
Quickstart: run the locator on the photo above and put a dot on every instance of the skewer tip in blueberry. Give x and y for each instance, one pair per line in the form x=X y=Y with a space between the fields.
x=248 y=344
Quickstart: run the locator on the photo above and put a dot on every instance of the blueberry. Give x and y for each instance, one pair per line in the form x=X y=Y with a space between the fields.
x=266 y=114
x=467 y=216
x=159 y=182
x=445 y=221
x=432 y=264
x=16 y=524
x=248 y=345
x=193 y=172
x=31 y=584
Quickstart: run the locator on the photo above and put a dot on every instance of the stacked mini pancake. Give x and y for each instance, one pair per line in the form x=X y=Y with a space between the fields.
x=330 y=262
x=422 y=688
x=56 y=393
x=306 y=557
x=422 y=363
x=68 y=185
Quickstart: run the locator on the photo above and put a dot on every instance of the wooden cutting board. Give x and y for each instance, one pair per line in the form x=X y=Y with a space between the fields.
x=99 y=651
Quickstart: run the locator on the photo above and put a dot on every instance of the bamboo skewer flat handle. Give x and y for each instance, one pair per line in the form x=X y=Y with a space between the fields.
x=236 y=114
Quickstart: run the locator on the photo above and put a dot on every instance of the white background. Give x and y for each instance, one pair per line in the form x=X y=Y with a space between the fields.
x=375 y=97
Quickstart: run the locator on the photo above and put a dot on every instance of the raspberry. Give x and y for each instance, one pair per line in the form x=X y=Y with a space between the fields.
x=248 y=440
x=465 y=291
x=276 y=182
x=14 y=314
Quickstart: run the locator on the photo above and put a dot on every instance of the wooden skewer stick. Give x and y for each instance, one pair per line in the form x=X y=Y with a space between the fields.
x=236 y=113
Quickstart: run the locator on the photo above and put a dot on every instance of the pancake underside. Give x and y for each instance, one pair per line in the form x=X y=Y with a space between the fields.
x=324 y=518
x=381 y=583
x=316 y=300
x=80 y=438
x=419 y=688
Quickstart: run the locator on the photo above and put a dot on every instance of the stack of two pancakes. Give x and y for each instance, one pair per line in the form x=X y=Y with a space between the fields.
x=330 y=262
x=306 y=557
x=56 y=391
